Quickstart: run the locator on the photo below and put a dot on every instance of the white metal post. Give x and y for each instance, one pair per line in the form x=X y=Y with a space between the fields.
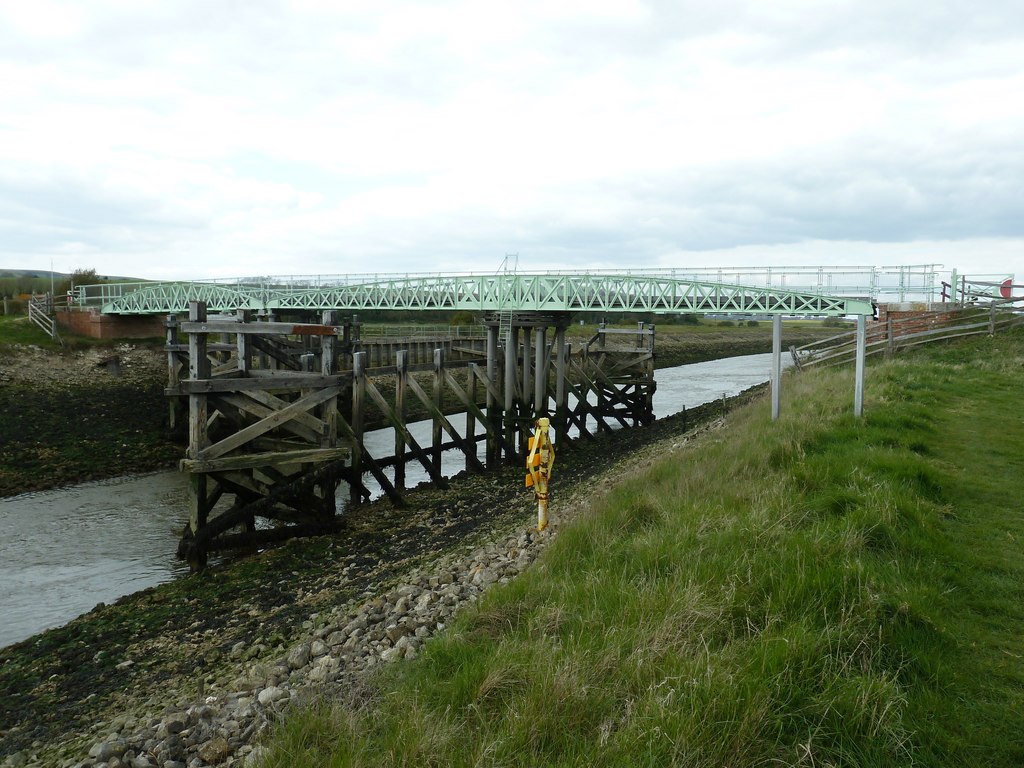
x=858 y=392
x=776 y=365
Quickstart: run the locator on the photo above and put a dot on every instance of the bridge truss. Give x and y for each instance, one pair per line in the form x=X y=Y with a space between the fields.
x=540 y=292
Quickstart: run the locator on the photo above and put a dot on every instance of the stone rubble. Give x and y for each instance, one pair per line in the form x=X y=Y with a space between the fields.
x=341 y=647
x=129 y=363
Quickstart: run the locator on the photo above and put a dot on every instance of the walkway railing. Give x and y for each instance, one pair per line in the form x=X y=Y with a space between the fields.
x=538 y=292
x=897 y=334
x=922 y=281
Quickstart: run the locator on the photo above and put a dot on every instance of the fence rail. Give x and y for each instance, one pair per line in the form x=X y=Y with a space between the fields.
x=40 y=311
x=897 y=334
x=423 y=331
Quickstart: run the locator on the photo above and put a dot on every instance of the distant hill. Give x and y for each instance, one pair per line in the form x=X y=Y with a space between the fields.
x=45 y=274
x=4 y=272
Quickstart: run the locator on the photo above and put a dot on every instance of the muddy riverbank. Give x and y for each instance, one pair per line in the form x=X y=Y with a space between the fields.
x=76 y=416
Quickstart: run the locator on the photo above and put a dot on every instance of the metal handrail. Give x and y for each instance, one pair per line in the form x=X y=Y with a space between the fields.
x=871 y=281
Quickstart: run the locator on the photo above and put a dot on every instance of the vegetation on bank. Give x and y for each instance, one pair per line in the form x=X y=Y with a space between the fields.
x=816 y=591
x=18 y=329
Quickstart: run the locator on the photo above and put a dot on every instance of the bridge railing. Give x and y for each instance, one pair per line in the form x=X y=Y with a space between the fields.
x=922 y=281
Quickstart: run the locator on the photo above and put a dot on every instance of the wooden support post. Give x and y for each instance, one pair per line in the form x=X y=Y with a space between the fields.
x=471 y=390
x=511 y=348
x=890 y=341
x=199 y=510
x=540 y=393
x=600 y=410
x=858 y=392
x=356 y=339
x=198 y=370
x=437 y=432
x=198 y=437
x=272 y=362
x=561 y=404
x=651 y=383
x=776 y=372
x=329 y=410
x=402 y=368
x=173 y=371
x=262 y=358
x=243 y=345
x=527 y=375
x=358 y=398
x=223 y=355
x=493 y=414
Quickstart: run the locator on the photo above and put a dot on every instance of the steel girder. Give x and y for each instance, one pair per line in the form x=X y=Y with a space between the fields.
x=547 y=292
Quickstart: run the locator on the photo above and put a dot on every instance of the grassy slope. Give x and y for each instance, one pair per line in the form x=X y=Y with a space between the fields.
x=812 y=592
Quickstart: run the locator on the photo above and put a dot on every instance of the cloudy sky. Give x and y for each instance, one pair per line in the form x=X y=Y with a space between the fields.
x=217 y=138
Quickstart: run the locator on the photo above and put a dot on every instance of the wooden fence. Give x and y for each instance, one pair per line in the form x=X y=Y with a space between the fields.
x=894 y=335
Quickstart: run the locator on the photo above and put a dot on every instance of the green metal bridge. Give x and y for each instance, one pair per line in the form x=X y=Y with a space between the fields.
x=501 y=292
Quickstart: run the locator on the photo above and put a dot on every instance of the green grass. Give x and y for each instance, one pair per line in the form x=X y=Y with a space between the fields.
x=818 y=591
x=18 y=329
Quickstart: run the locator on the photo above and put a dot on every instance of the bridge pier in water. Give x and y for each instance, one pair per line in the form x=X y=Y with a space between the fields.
x=278 y=411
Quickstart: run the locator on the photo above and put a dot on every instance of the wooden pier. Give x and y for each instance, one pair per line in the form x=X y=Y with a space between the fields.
x=278 y=411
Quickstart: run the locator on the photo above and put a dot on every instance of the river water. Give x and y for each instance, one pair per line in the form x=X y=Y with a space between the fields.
x=63 y=551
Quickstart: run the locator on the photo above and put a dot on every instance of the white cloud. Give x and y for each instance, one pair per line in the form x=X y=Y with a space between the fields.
x=193 y=139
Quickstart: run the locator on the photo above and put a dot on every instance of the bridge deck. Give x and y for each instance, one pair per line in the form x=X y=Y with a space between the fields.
x=547 y=292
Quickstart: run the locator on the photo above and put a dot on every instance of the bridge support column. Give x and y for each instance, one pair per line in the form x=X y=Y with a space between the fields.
x=540 y=390
x=437 y=434
x=358 y=398
x=493 y=414
x=527 y=374
x=561 y=420
x=471 y=391
x=511 y=347
x=401 y=383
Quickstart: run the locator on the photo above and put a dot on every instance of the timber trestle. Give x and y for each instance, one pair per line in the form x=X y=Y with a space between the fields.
x=279 y=411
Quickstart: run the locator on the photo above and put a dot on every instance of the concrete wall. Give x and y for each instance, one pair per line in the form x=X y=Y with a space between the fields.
x=97 y=326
